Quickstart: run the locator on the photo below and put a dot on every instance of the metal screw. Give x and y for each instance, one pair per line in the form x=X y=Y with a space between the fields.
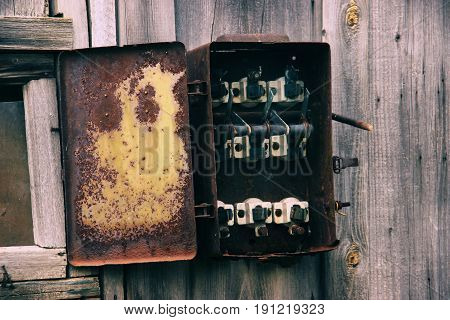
x=296 y=230
x=262 y=231
x=278 y=212
x=275 y=146
x=224 y=233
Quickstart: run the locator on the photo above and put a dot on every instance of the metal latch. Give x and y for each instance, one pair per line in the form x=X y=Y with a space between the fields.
x=342 y=163
x=204 y=210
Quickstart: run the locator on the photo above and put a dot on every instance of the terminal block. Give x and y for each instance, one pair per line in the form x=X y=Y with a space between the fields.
x=255 y=213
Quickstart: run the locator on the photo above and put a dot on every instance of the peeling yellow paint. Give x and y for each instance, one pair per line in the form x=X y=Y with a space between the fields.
x=150 y=164
x=352 y=14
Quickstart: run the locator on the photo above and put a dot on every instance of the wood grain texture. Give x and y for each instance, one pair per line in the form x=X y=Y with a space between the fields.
x=77 y=11
x=249 y=279
x=158 y=281
x=44 y=162
x=30 y=8
x=19 y=68
x=389 y=67
x=111 y=278
x=102 y=23
x=349 y=50
x=300 y=20
x=25 y=33
x=75 y=272
x=74 y=288
x=33 y=263
x=141 y=21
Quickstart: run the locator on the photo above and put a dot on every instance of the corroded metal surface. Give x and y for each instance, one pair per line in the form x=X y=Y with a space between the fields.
x=126 y=155
x=231 y=53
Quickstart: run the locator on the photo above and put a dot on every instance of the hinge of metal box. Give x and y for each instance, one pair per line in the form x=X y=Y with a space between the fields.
x=197 y=88
x=204 y=210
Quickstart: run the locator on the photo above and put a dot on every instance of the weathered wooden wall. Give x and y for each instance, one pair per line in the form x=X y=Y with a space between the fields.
x=390 y=67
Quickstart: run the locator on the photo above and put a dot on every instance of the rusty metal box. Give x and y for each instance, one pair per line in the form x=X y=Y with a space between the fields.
x=227 y=150
x=229 y=177
x=126 y=152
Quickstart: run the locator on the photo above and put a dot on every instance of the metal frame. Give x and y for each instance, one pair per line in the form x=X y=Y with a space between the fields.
x=323 y=226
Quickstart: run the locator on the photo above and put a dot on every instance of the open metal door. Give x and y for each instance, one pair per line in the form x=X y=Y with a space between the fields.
x=127 y=162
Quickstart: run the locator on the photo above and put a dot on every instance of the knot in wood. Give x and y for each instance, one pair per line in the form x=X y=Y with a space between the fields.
x=352 y=14
x=353 y=256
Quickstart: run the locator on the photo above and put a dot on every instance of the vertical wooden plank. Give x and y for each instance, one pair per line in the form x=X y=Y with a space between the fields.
x=77 y=11
x=347 y=268
x=102 y=18
x=112 y=284
x=7 y=8
x=389 y=66
x=235 y=16
x=141 y=21
x=444 y=190
x=187 y=16
x=390 y=196
x=44 y=160
x=245 y=279
x=30 y=8
x=300 y=20
x=283 y=17
x=249 y=279
x=424 y=94
x=158 y=281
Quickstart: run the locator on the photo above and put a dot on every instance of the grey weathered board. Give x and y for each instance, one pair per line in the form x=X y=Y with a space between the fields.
x=35 y=33
x=73 y=288
x=19 y=68
x=44 y=163
x=28 y=8
x=390 y=67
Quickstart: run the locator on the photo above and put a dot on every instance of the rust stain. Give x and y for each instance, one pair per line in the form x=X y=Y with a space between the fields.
x=147 y=109
x=127 y=160
x=352 y=14
x=119 y=200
